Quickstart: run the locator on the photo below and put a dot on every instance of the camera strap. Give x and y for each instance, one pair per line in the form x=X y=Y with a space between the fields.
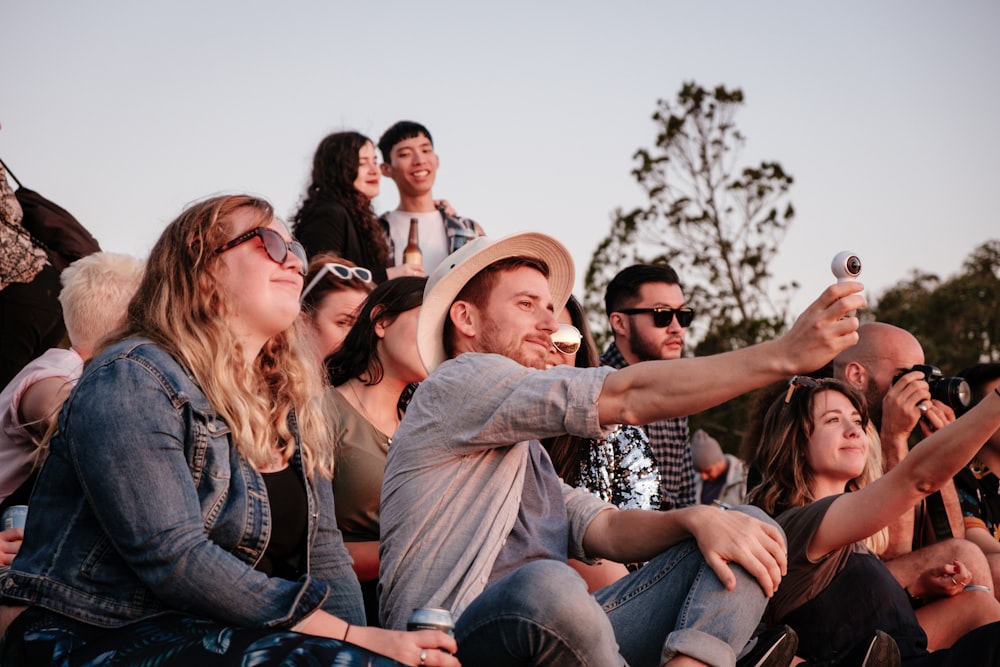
x=937 y=515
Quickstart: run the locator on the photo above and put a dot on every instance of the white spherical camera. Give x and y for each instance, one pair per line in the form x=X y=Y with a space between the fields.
x=846 y=265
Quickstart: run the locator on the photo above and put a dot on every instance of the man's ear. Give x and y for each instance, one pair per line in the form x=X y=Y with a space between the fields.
x=386 y=169
x=856 y=375
x=465 y=318
x=618 y=326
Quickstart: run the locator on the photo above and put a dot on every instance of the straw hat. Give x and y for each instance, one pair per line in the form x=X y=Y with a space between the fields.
x=458 y=269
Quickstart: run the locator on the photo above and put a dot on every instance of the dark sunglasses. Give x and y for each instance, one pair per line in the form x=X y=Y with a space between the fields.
x=566 y=339
x=341 y=271
x=276 y=247
x=663 y=316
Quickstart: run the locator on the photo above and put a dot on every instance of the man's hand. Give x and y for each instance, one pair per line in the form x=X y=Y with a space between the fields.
x=824 y=329
x=901 y=406
x=734 y=537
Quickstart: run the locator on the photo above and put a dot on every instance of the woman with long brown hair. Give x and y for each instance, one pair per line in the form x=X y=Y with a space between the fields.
x=822 y=481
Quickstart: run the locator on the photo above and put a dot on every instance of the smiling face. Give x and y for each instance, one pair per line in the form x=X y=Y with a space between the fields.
x=518 y=319
x=838 y=444
x=333 y=318
x=638 y=339
x=262 y=296
x=412 y=164
x=367 y=181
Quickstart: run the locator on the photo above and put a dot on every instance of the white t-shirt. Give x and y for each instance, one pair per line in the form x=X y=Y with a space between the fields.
x=434 y=243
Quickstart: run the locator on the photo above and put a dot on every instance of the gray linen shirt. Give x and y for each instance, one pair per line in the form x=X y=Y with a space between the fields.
x=456 y=468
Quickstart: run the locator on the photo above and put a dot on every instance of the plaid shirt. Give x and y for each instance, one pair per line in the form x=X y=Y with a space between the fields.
x=671 y=449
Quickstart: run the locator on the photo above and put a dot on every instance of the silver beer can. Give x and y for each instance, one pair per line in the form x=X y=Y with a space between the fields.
x=429 y=618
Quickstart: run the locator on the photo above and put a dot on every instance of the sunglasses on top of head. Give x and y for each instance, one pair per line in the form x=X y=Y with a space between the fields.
x=566 y=339
x=341 y=271
x=277 y=248
x=663 y=316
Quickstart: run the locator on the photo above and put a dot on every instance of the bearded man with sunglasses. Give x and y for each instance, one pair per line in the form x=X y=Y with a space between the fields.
x=649 y=319
x=474 y=518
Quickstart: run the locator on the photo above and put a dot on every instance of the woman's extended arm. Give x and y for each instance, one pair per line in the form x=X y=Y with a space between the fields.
x=932 y=463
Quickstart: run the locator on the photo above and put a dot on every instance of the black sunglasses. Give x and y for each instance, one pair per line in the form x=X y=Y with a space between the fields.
x=276 y=247
x=663 y=316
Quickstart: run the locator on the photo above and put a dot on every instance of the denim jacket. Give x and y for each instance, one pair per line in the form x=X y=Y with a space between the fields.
x=145 y=507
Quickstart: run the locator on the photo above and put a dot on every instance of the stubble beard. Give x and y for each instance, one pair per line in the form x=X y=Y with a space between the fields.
x=492 y=339
x=644 y=350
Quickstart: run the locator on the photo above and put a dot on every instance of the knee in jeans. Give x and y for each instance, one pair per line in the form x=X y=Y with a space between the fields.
x=554 y=593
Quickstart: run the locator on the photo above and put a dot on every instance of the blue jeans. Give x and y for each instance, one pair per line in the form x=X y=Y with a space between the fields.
x=541 y=614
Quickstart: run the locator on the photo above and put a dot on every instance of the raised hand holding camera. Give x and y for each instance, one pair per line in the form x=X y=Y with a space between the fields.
x=846 y=265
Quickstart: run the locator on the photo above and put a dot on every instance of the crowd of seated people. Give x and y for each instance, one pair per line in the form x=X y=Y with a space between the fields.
x=270 y=443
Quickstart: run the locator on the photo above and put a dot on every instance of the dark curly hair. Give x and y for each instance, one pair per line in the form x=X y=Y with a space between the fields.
x=335 y=168
x=358 y=355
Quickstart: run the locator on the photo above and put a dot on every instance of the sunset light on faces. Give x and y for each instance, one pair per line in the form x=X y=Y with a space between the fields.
x=367 y=181
x=413 y=165
x=334 y=317
x=644 y=340
x=263 y=296
x=518 y=319
x=838 y=445
x=396 y=348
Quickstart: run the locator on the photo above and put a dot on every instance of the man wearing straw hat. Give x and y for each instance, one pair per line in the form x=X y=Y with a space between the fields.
x=475 y=520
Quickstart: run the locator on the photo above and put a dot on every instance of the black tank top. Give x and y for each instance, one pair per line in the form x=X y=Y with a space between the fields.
x=285 y=553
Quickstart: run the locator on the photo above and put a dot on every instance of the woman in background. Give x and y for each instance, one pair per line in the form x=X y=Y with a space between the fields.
x=177 y=518
x=336 y=215
x=335 y=289
x=371 y=373
x=619 y=469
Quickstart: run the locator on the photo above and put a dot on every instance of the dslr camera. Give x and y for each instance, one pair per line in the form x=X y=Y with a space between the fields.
x=953 y=392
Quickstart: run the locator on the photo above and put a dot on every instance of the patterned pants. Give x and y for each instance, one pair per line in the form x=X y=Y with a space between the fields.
x=39 y=637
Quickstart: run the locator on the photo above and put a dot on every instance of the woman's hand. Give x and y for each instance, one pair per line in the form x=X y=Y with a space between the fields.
x=419 y=648
x=405 y=270
x=430 y=648
x=10 y=544
x=942 y=582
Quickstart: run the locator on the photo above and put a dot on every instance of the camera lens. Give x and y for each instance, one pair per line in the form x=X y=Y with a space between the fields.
x=953 y=392
x=854 y=265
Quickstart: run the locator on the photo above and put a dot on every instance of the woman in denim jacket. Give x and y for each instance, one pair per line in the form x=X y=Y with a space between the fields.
x=185 y=514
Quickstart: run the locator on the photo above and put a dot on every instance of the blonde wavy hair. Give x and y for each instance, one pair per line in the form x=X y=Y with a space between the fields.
x=179 y=306
x=781 y=455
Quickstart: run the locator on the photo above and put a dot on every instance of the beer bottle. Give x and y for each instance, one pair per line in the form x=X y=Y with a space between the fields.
x=412 y=253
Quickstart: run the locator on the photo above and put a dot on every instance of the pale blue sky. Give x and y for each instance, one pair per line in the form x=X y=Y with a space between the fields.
x=884 y=112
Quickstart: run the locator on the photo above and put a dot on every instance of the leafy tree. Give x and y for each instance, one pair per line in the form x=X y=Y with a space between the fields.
x=957 y=321
x=719 y=225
